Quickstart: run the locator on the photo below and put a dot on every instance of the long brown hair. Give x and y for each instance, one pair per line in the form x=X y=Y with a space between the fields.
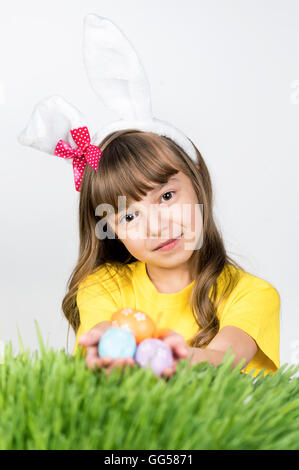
x=150 y=158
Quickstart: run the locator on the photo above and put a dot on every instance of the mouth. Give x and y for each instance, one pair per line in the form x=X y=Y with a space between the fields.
x=167 y=242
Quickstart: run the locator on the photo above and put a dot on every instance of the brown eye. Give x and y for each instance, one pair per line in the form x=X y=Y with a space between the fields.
x=128 y=219
x=124 y=218
x=168 y=192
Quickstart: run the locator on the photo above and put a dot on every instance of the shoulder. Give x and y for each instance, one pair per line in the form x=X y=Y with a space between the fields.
x=251 y=283
x=101 y=274
x=108 y=274
x=251 y=289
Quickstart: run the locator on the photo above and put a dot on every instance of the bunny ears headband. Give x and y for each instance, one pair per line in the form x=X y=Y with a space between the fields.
x=119 y=80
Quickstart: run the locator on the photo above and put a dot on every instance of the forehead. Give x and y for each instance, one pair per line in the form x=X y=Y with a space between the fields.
x=158 y=187
x=172 y=179
x=152 y=192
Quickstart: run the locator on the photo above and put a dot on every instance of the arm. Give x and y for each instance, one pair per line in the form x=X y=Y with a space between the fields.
x=242 y=344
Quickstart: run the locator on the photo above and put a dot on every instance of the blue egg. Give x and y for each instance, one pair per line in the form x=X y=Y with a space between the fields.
x=117 y=342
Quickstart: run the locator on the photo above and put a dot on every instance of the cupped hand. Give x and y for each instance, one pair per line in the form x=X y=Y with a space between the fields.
x=92 y=359
x=178 y=347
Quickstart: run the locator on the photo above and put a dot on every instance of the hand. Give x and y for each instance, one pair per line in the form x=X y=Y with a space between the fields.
x=178 y=347
x=90 y=340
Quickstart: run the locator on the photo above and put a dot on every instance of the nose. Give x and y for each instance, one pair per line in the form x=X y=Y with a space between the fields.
x=157 y=222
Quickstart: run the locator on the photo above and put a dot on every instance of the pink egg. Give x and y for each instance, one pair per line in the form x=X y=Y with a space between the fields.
x=155 y=353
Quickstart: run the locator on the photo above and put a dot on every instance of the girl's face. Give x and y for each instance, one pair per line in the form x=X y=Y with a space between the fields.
x=168 y=211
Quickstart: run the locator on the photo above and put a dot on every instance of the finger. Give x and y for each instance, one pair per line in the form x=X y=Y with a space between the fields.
x=121 y=360
x=177 y=345
x=106 y=361
x=90 y=358
x=170 y=370
x=125 y=361
x=98 y=362
x=167 y=374
x=163 y=332
x=93 y=363
x=173 y=339
x=116 y=363
x=91 y=338
x=92 y=351
x=130 y=361
x=181 y=351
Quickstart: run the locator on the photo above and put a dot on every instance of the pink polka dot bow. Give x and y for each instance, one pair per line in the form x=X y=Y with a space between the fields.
x=83 y=154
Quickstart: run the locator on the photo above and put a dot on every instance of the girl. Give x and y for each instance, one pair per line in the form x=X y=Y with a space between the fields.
x=206 y=300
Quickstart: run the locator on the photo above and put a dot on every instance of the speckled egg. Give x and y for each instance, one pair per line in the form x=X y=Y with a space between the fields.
x=132 y=319
x=117 y=342
x=154 y=353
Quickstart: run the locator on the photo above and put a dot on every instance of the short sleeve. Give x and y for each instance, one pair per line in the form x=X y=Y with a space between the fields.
x=95 y=304
x=255 y=309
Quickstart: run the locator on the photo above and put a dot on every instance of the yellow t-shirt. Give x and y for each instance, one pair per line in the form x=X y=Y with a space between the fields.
x=253 y=306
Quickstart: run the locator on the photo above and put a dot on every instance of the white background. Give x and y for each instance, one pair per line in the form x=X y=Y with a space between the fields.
x=225 y=72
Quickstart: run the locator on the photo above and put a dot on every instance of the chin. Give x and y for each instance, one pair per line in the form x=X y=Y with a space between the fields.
x=168 y=260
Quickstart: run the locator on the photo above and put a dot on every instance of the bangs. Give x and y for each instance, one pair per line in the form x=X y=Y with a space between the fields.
x=131 y=165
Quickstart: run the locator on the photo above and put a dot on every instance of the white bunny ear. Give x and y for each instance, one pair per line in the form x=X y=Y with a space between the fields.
x=114 y=69
x=50 y=121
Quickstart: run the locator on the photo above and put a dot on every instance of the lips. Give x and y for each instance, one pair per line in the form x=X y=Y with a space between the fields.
x=167 y=242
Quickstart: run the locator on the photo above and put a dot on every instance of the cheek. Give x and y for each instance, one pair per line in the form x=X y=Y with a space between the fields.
x=133 y=245
x=194 y=231
x=194 y=217
x=186 y=215
x=194 y=213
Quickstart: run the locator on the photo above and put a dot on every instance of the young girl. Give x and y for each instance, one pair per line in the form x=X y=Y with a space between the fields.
x=203 y=299
x=207 y=301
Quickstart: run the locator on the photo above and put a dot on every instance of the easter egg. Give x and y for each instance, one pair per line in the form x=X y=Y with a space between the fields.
x=117 y=342
x=139 y=323
x=155 y=353
x=162 y=332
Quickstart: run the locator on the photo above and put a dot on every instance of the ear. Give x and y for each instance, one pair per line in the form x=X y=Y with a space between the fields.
x=197 y=166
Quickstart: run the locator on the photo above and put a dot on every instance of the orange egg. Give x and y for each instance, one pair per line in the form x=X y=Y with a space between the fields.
x=161 y=332
x=139 y=323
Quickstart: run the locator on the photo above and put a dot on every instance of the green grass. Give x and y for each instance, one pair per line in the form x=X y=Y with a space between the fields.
x=52 y=401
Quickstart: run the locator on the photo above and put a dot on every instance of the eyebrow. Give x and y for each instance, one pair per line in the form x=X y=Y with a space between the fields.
x=160 y=186
x=157 y=188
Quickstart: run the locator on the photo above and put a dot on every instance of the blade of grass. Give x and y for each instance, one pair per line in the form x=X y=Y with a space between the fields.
x=40 y=339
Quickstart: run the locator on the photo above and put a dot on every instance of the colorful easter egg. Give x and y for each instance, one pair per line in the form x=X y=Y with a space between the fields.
x=132 y=319
x=154 y=353
x=117 y=342
x=162 y=332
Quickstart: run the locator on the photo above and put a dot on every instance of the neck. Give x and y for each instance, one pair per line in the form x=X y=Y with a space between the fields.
x=170 y=280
